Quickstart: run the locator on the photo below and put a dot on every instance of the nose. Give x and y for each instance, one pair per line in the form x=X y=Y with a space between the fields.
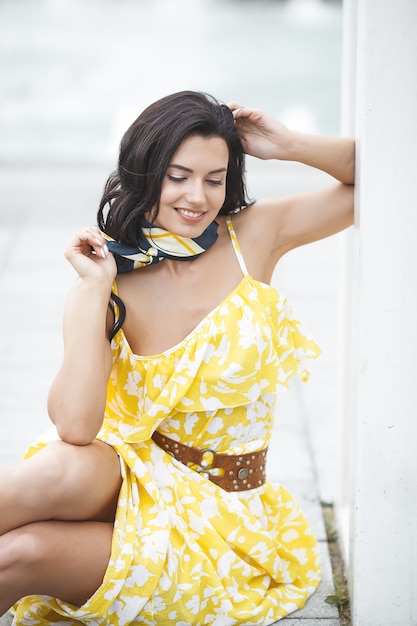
x=195 y=193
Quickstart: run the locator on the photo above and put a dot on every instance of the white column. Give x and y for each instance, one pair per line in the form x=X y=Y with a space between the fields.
x=347 y=444
x=383 y=524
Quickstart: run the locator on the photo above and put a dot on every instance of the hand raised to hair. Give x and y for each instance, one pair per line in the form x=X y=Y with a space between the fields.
x=261 y=135
x=88 y=254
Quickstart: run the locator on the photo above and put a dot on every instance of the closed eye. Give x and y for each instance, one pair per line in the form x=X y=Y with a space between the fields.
x=180 y=179
x=176 y=179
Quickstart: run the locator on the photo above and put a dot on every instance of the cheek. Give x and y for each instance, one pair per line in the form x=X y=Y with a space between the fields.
x=168 y=192
x=221 y=196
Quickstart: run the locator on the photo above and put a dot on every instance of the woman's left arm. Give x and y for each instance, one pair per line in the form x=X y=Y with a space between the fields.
x=306 y=217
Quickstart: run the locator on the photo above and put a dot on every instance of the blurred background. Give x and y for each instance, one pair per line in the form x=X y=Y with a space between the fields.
x=74 y=75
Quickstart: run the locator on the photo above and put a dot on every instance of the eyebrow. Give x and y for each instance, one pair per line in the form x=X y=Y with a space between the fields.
x=187 y=169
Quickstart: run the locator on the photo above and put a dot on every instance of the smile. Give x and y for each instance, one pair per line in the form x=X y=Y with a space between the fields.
x=190 y=214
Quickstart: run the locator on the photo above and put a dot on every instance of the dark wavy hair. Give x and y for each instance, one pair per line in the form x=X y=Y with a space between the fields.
x=145 y=153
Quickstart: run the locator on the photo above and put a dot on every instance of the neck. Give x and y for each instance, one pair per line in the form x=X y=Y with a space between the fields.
x=181 y=268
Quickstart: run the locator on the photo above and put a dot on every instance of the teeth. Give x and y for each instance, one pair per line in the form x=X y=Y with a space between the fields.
x=189 y=213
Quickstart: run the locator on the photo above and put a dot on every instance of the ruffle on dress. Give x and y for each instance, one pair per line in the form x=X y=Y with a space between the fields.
x=249 y=345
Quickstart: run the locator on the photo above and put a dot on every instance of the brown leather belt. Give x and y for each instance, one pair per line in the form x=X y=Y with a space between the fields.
x=238 y=472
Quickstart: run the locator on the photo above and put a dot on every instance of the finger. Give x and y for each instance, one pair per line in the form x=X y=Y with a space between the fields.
x=100 y=248
x=102 y=251
x=242 y=114
x=236 y=109
x=98 y=243
x=95 y=242
x=94 y=232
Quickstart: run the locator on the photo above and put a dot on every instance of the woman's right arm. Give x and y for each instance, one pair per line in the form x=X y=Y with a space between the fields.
x=77 y=397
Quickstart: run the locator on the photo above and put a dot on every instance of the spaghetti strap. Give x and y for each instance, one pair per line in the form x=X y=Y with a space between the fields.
x=236 y=246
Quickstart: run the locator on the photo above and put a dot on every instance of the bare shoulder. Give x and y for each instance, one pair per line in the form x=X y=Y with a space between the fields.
x=271 y=227
x=260 y=216
x=256 y=230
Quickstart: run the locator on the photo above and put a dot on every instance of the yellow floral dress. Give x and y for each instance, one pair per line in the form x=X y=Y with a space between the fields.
x=186 y=552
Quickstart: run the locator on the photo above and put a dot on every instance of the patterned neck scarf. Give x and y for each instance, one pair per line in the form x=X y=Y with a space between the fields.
x=156 y=244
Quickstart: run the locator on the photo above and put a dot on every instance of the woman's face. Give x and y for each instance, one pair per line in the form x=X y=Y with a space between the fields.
x=194 y=186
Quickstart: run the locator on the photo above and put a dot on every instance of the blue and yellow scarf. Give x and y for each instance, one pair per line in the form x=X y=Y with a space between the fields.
x=156 y=244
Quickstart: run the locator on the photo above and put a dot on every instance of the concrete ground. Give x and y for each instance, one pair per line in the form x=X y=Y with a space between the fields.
x=70 y=87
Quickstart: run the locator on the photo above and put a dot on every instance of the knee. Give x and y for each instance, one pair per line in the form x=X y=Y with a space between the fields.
x=50 y=466
x=22 y=548
x=72 y=482
x=50 y=475
x=59 y=458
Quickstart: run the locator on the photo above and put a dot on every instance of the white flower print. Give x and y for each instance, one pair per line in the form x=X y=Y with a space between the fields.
x=184 y=550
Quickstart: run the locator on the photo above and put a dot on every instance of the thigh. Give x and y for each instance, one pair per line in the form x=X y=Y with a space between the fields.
x=66 y=560
x=63 y=482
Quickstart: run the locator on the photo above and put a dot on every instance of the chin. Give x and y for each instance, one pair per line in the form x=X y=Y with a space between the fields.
x=191 y=228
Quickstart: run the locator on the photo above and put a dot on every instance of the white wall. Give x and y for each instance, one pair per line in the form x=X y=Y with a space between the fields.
x=380 y=471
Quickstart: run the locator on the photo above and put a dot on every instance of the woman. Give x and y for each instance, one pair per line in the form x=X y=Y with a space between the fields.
x=161 y=513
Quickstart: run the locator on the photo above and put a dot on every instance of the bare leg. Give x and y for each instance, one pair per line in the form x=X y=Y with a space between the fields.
x=61 y=482
x=66 y=560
